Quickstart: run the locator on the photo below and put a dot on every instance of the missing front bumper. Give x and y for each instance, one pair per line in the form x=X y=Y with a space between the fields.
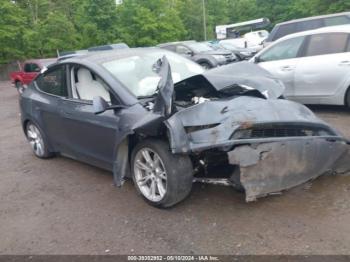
x=268 y=168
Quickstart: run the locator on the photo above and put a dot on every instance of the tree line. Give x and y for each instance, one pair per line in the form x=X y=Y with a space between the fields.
x=38 y=28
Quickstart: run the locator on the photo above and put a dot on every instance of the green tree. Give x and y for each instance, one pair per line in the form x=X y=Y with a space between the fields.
x=97 y=22
x=146 y=23
x=12 y=26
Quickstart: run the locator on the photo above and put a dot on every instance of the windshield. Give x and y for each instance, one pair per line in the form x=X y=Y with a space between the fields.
x=137 y=74
x=199 y=47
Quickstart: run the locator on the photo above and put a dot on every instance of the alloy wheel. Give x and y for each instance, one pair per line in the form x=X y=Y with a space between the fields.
x=35 y=140
x=150 y=174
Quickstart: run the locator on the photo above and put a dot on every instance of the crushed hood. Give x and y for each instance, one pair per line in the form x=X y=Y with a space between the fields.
x=244 y=74
x=234 y=79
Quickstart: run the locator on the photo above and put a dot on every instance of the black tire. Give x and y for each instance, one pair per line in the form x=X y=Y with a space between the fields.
x=179 y=173
x=205 y=65
x=347 y=98
x=19 y=87
x=44 y=152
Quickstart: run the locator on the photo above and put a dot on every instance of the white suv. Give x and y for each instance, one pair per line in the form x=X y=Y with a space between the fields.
x=314 y=65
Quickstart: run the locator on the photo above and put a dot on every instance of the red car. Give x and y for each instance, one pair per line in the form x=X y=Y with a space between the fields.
x=28 y=71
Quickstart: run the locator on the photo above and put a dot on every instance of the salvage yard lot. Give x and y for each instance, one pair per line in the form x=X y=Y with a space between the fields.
x=60 y=206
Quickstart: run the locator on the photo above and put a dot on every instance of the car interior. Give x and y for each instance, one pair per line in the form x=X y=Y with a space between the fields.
x=87 y=85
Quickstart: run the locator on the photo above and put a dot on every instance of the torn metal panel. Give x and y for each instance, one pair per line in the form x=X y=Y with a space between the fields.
x=272 y=167
x=216 y=121
x=240 y=74
x=131 y=122
x=164 y=99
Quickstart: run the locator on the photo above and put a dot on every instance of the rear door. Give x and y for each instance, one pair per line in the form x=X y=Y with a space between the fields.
x=324 y=67
x=52 y=88
x=281 y=61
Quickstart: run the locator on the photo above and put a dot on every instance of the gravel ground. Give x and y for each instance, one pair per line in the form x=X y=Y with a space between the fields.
x=60 y=206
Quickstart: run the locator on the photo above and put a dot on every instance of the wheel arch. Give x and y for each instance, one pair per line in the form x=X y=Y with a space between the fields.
x=24 y=127
x=125 y=147
x=209 y=60
x=347 y=94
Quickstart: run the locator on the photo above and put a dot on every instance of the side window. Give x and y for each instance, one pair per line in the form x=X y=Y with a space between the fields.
x=27 y=68
x=284 y=50
x=86 y=85
x=180 y=49
x=170 y=47
x=35 y=68
x=337 y=20
x=330 y=43
x=309 y=25
x=284 y=30
x=53 y=82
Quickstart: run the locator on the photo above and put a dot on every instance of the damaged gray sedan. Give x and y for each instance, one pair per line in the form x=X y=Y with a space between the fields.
x=160 y=119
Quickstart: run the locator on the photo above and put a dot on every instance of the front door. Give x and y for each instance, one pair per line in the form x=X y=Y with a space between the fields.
x=324 y=69
x=281 y=61
x=89 y=137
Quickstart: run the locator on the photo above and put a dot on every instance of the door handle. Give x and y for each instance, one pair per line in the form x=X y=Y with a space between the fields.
x=344 y=63
x=287 y=68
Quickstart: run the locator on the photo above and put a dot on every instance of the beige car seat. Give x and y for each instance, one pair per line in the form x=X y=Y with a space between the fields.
x=88 y=88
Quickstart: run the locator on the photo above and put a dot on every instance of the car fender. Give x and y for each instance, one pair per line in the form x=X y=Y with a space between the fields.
x=200 y=58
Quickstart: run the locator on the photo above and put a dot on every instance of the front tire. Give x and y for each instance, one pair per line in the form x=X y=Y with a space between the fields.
x=37 y=141
x=163 y=179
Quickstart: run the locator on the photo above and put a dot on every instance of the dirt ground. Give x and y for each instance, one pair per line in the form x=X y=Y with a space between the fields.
x=60 y=206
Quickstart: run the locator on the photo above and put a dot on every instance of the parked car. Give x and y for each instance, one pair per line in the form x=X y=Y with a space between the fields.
x=201 y=53
x=28 y=71
x=304 y=24
x=240 y=53
x=68 y=54
x=159 y=118
x=108 y=47
x=314 y=65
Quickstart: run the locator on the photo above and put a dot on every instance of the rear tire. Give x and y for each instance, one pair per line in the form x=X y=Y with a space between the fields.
x=19 y=87
x=347 y=98
x=37 y=141
x=163 y=179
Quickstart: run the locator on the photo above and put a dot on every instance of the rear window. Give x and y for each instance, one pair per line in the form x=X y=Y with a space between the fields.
x=322 y=44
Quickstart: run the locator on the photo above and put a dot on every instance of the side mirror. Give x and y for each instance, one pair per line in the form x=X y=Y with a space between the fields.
x=100 y=105
x=189 y=53
x=257 y=59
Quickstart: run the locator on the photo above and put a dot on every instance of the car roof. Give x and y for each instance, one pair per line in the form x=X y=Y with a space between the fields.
x=328 y=29
x=100 y=57
x=176 y=43
x=39 y=61
x=312 y=18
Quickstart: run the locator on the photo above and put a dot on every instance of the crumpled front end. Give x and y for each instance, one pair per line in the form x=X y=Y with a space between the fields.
x=225 y=123
x=276 y=166
x=275 y=144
